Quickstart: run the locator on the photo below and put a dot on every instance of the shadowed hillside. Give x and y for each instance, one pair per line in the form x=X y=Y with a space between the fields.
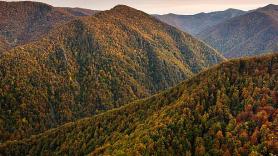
x=93 y=64
x=230 y=109
x=22 y=22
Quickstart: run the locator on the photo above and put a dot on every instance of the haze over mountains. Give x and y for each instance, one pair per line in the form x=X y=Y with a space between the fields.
x=194 y=24
x=229 y=109
x=253 y=33
x=76 y=81
x=23 y=22
x=234 y=32
x=93 y=64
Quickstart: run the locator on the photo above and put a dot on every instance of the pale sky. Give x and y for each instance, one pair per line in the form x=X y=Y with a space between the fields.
x=164 y=6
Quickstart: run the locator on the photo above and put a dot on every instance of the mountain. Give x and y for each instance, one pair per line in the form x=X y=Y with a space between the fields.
x=93 y=64
x=253 y=33
x=22 y=22
x=230 y=109
x=197 y=23
x=80 y=11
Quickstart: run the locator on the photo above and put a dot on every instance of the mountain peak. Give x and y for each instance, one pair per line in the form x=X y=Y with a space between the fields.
x=126 y=12
x=171 y=14
x=122 y=7
x=270 y=7
x=233 y=10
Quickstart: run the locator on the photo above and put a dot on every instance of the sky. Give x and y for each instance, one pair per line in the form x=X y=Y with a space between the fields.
x=185 y=7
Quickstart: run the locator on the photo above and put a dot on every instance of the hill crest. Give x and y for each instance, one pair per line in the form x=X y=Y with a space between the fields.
x=211 y=113
x=93 y=64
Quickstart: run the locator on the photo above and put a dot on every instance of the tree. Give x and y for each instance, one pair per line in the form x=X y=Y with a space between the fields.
x=199 y=147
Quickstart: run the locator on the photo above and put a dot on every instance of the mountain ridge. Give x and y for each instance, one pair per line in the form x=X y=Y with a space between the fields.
x=194 y=24
x=250 y=34
x=93 y=64
x=178 y=120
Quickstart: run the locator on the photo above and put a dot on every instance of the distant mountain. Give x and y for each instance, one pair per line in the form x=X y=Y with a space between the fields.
x=230 y=109
x=253 y=33
x=195 y=24
x=22 y=22
x=93 y=64
x=80 y=11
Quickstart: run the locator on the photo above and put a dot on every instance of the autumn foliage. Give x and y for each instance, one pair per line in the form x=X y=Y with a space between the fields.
x=230 y=109
x=91 y=65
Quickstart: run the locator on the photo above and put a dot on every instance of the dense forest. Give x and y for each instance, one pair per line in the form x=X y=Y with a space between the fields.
x=230 y=109
x=93 y=64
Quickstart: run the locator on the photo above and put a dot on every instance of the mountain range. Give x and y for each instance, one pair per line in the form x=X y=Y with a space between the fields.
x=76 y=81
x=233 y=32
x=253 y=33
x=92 y=64
x=230 y=109
x=194 y=24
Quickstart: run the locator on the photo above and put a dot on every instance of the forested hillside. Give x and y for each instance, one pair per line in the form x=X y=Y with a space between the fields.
x=253 y=33
x=230 y=109
x=23 y=22
x=93 y=64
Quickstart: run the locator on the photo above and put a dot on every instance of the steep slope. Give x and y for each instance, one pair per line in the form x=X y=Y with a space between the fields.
x=251 y=34
x=230 y=109
x=22 y=22
x=93 y=64
x=195 y=24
